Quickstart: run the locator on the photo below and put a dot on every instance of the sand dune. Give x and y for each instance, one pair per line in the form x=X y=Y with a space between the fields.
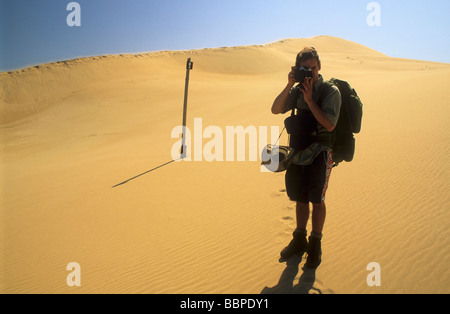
x=71 y=130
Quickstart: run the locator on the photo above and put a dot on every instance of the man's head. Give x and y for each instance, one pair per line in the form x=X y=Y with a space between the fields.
x=309 y=58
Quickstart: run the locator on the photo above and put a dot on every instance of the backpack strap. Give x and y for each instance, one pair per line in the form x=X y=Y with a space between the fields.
x=325 y=138
x=324 y=89
x=298 y=94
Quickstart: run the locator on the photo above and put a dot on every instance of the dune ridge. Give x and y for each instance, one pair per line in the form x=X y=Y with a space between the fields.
x=73 y=129
x=31 y=90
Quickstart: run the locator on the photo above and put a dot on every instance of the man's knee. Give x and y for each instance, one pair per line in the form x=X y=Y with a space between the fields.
x=319 y=205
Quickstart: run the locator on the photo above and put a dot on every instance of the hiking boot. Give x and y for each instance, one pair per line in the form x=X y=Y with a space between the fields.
x=314 y=252
x=297 y=246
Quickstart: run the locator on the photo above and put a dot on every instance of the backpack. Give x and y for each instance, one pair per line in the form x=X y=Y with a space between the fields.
x=349 y=122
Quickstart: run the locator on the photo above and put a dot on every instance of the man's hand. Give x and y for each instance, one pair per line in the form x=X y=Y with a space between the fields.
x=280 y=102
x=307 y=87
x=291 y=77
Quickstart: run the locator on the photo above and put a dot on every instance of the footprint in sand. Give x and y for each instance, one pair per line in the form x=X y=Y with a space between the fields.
x=287 y=220
x=278 y=193
x=290 y=207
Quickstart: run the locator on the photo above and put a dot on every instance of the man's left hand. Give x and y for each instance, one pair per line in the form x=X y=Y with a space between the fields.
x=307 y=88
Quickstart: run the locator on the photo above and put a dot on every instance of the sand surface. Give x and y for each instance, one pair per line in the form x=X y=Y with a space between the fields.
x=72 y=130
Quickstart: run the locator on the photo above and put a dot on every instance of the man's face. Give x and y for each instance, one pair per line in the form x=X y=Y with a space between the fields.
x=314 y=66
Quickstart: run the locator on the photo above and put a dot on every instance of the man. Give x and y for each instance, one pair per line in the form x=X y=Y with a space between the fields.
x=307 y=177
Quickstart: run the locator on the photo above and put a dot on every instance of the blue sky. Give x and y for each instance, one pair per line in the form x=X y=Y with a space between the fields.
x=34 y=32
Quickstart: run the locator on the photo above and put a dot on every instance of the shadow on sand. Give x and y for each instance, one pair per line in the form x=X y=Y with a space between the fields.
x=286 y=283
x=144 y=173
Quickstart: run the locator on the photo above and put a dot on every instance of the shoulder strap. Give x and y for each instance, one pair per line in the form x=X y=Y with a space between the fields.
x=324 y=89
x=298 y=92
x=325 y=139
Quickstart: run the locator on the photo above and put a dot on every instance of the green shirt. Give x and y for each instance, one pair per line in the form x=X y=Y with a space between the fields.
x=331 y=104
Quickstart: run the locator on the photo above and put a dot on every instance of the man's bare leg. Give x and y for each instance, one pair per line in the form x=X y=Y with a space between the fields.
x=318 y=217
x=302 y=212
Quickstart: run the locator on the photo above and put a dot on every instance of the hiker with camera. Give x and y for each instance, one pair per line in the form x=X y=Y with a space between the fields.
x=315 y=107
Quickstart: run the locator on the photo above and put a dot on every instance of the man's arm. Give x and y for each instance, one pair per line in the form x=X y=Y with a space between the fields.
x=279 y=104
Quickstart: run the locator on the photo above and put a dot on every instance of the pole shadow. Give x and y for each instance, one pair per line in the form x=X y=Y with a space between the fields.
x=286 y=283
x=144 y=173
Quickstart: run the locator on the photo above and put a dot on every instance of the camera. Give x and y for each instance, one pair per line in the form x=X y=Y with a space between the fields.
x=302 y=73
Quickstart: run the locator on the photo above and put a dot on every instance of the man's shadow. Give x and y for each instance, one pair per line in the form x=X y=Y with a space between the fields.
x=286 y=283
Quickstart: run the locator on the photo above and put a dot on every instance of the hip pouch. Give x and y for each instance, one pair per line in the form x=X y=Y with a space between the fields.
x=302 y=129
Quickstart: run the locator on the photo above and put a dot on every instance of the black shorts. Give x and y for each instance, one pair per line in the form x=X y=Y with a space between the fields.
x=309 y=183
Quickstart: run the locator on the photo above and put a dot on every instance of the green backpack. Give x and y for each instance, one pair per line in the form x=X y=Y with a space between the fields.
x=349 y=123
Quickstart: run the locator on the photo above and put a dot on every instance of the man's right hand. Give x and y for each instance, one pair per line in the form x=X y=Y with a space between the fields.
x=291 y=77
x=280 y=102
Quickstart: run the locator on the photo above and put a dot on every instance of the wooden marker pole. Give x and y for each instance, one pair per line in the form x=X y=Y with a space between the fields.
x=189 y=67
